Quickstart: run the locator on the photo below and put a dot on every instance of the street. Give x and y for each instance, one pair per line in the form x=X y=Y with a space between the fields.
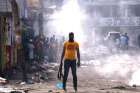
x=102 y=36
x=93 y=76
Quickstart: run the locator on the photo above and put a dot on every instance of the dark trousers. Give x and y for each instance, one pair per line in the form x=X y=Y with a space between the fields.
x=23 y=63
x=67 y=65
x=24 y=71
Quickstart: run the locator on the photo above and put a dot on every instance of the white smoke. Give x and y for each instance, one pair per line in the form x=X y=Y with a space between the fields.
x=69 y=19
x=117 y=67
x=135 y=80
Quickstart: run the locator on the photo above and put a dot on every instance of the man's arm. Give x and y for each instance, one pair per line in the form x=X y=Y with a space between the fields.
x=78 y=56
x=62 y=56
x=61 y=63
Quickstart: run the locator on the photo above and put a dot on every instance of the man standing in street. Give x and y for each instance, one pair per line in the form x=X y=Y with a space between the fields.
x=124 y=41
x=70 y=55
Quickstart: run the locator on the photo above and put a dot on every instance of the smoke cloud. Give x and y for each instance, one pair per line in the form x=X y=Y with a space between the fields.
x=122 y=67
x=70 y=18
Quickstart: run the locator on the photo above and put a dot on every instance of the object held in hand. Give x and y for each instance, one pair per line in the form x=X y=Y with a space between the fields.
x=60 y=75
x=78 y=64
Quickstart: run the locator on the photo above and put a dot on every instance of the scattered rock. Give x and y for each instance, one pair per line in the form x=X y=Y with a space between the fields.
x=26 y=91
x=44 y=77
x=119 y=87
x=15 y=92
x=102 y=89
x=50 y=91
x=22 y=83
x=3 y=80
x=5 y=90
x=134 y=86
x=30 y=82
x=51 y=71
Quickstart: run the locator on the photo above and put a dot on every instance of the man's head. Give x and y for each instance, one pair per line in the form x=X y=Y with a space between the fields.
x=71 y=36
x=125 y=34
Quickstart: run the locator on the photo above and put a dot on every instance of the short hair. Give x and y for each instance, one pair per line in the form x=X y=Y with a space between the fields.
x=71 y=33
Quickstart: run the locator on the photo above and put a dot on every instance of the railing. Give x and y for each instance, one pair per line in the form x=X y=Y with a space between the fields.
x=115 y=22
x=5 y=6
x=110 y=2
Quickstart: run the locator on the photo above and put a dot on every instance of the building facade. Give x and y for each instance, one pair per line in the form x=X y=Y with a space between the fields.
x=113 y=15
x=34 y=7
x=6 y=35
x=11 y=13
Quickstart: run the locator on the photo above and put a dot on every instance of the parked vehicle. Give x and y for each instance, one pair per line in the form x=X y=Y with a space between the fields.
x=112 y=40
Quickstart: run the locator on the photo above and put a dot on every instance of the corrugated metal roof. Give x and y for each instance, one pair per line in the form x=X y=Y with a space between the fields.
x=5 y=6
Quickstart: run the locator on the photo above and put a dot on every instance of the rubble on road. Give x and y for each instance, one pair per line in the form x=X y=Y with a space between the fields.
x=5 y=90
x=16 y=92
x=10 y=90
x=37 y=74
x=3 y=80
x=42 y=74
x=52 y=66
x=119 y=87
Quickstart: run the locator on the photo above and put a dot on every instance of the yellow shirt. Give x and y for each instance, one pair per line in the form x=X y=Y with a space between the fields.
x=70 y=50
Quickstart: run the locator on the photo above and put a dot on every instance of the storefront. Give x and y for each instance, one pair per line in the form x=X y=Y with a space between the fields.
x=6 y=35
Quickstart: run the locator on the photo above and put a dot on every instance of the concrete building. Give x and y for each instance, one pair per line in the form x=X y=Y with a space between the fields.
x=34 y=8
x=113 y=15
x=23 y=10
x=6 y=35
x=11 y=13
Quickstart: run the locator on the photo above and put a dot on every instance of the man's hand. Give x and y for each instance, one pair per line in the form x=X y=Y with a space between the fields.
x=78 y=55
x=60 y=72
x=60 y=69
x=78 y=64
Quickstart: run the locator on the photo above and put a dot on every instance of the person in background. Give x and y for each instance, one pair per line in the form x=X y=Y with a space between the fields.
x=31 y=51
x=124 y=41
x=71 y=57
x=117 y=42
x=24 y=56
x=52 y=49
x=47 y=45
x=139 y=41
x=127 y=41
x=39 y=48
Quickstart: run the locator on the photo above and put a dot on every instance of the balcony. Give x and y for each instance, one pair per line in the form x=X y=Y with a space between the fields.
x=5 y=7
x=109 y=2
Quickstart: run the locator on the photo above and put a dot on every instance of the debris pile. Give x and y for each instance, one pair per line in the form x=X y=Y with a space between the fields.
x=10 y=90
x=44 y=72
x=3 y=80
